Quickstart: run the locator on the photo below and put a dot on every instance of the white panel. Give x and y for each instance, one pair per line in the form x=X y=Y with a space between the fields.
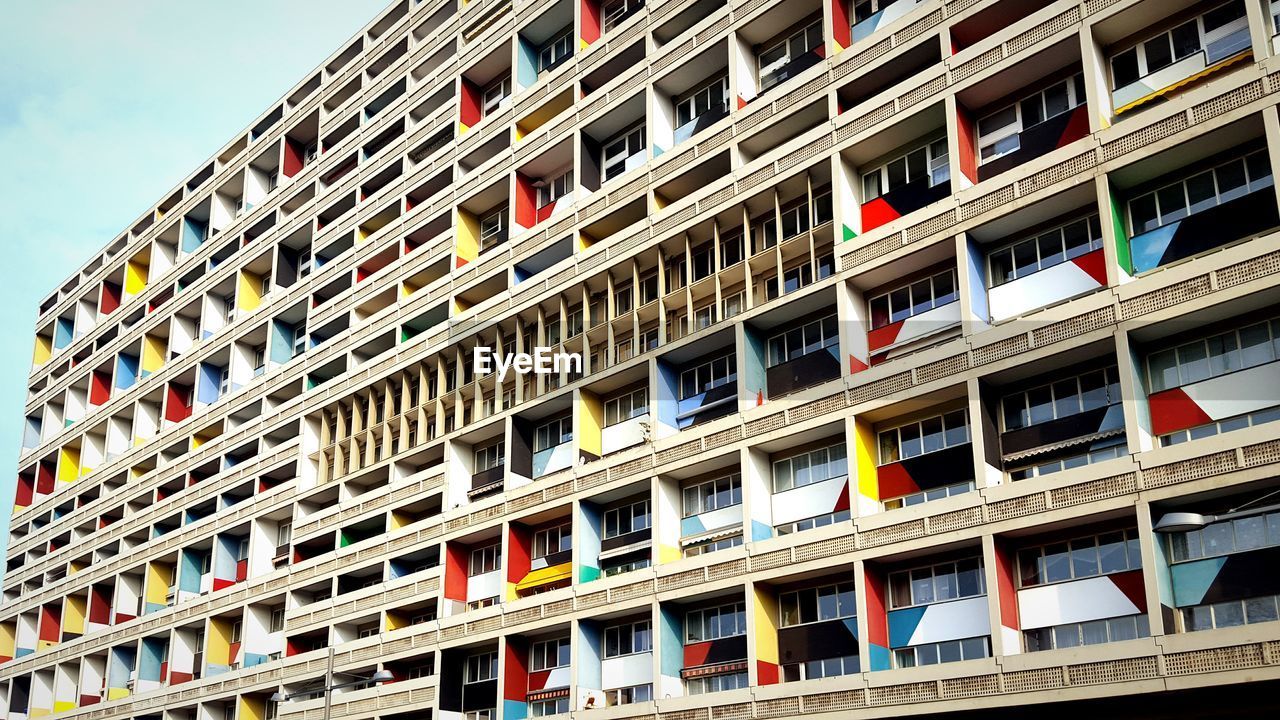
x=1077 y=601
x=1237 y=393
x=724 y=517
x=808 y=501
x=926 y=324
x=623 y=435
x=1060 y=282
x=557 y=678
x=484 y=586
x=953 y=620
x=627 y=670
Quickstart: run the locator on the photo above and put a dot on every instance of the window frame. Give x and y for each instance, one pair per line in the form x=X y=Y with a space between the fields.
x=1074 y=86
x=919 y=423
x=734 y=489
x=934 y=161
x=889 y=303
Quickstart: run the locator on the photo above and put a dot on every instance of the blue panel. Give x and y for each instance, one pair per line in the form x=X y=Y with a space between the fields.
x=189 y=571
x=208 y=377
x=589 y=662
x=192 y=234
x=1148 y=249
x=62 y=333
x=851 y=624
x=120 y=665
x=1192 y=580
x=225 y=548
x=152 y=656
x=667 y=403
x=31 y=432
x=587 y=538
x=978 y=281
x=760 y=531
x=281 y=343
x=691 y=525
x=671 y=642
x=754 y=362
x=526 y=64
x=514 y=710
x=251 y=659
x=865 y=28
x=879 y=658
x=126 y=371
x=902 y=625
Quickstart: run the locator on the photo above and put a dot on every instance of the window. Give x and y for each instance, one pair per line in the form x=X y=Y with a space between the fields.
x=709 y=375
x=555 y=51
x=716 y=683
x=1215 y=32
x=810 y=467
x=547 y=708
x=704 y=317
x=730 y=249
x=1084 y=557
x=1093 y=632
x=628 y=639
x=284 y=534
x=617 y=152
x=712 y=97
x=494 y=95
x=1238 y=422
x=573 y=321
x=626 y=519
x=1047 y=249
x=552 y=540
x=775 y=58
x=1226 y=182
x=482 y=603
x=549 y=654
x=710 y=546
x=555 y=188
x=277 y=620
x=939 y=583
x=476 y=715
x=648 y=288
x=1099 y=451
x=481 y=668
x=712 y=495
x=999 y=132
x=808 y=338
x=813 y=522
x=493 y=228
x=1227 y=537
x=615 y=11
x=792 y=280
x=622 y=300
x=490 y=457
x=1062 y=398
x=930 y=161
x=816 y=669
x=916 y=298
x=1231 y=613
x=924 y=436
x=828 y=602
x=1192 y=362
x=484 y=560
x=649 y=339
x=942 y=652
x=929 y=495
x=715 y=623
x=864 y=9
x=619 y=565
x=624 y=407
x=628 y=695
x=795 y=220
x=552 y=434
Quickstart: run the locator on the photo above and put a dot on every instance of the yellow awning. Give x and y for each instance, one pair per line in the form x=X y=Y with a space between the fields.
x=546 y=576
x=1220 y=65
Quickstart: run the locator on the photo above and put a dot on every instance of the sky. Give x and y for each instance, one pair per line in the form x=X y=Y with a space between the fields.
x=105 y=106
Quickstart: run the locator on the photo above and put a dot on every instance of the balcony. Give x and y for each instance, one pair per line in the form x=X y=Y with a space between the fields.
x=871 y=15
x=1011 y=134
x=907 y=316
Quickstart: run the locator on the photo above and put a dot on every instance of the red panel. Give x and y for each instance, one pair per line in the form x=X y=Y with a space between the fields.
x=5 y=658
x=242 y=570
x=455 y=572
x=696 y=654
x=89 y=700
x=842 y=33
x=538 y=680
x=766 y=673
x=877 y=213
x=895 y=481
x=292 y=158
x=518 y=553
x=591 y=20
x=25 y=493
x=1094 y=264
x=99 y=387
x=1077 y=126
x=526 y=196
x=842 y=502
x=164 y=671
x=233 y=651
x=516 y=673
x=177 y=678
x=220 y=583
x=99 y=605
x=968 y=144
x=1006 y=587
x=545 y=211
x=1130 y=583
x=884 y=336
x=878 y=618
x=50 y=623
x=122 y=618
x=177 y=406
x=1173 y=410
x=469 y=109
x=45 y=480
x=856 y=366
x=110 y=299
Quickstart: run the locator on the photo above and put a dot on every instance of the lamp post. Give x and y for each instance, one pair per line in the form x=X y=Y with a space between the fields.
x=1176 y=522
x=378 y=677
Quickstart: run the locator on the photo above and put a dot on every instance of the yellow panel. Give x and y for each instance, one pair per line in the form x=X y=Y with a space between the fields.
x=115 y=693
x=153 y=352
x=135 y=273
x=68 y=464
x=249 y=292
x=546 y=576
x=158 y=576
x=219 y=641
x=8 y=640
x=39 y=712
x=668 y=554
x=590 y=422
x=73 y=614
x=468 y=237
x=766 y=626
x=44 y=350
x=252 y=708
x=61 y=706
x=864 y=454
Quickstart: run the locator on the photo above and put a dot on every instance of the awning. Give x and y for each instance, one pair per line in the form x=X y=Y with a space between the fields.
x=546 y=576
x=713 y=535
x=626 y=549
x=1082 y=440
x=552 y=694
x=714 y=669
x=1220 y=65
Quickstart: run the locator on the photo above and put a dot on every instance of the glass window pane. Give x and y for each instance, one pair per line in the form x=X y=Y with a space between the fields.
x=1186 y=40
x=910 y=440
x=1255 y=345
x=1217 y=539
x=1014 y=409
x=1231 y=181
x=1084 y=558
x=1201 y=192
x=921 y=587
x=900 y=304
x=1251 y=532
x=1122 y=628
x=1124 y=68
x=897 y=173
x=1002 y=267
x=1066 y=398
x=949 y=651
x=1173 y=203
x=1259 y=610
x=917 y=165
x=1066 y=636
x=1057 y=566
x=1025 y=260
x=1055 y=100
x=1111 y=553
x=1164 y=370
x=1095 y=632
x=1040 y=401
x=1143 y=215
x=1032 y=111
x=969 y=578
x=932 y=434
x=957 y=428
x=1193 y=359
x=1004 y=118
x=1093 y=390
x=1228 y=614
x=1159 y=52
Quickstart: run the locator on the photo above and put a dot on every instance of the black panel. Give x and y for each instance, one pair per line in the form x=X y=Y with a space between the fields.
x=630 y=538
x=816 y=641
x=797 y=66
x=450 y=686
x=945 y=467
x=521 y=447
x=1233 y=220
x=990 y=408
x=1246 y=575
x=1032 y=143
x=481 y=695
x=728 y=649
x=487 y=477
x=559 y=558
x=719 y=411
x=802 y=372
x=915 y=195
x=590 y=172
x=1060 y=430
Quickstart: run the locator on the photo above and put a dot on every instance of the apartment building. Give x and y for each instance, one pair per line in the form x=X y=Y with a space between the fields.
x=931 y=354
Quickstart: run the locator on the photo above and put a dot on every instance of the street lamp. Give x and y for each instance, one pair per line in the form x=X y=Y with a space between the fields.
x=1176 y=522
x=329 y=686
